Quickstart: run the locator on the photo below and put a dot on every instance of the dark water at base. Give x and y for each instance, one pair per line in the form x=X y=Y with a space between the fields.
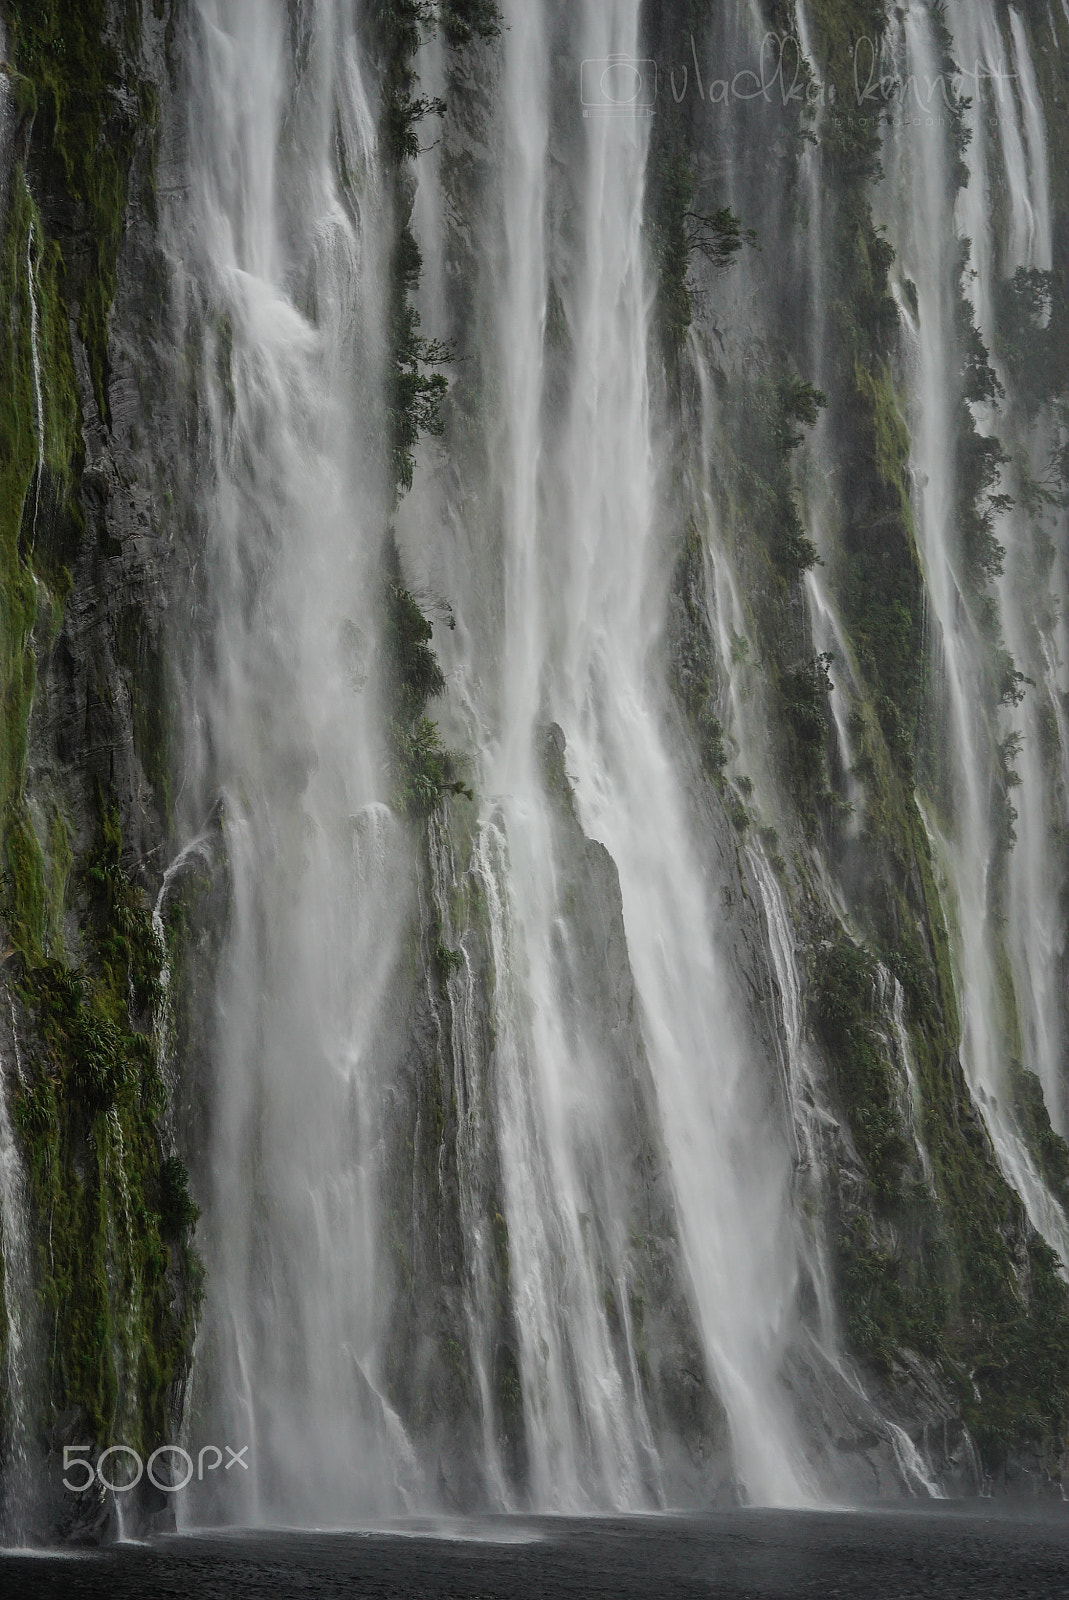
x=891 y=1555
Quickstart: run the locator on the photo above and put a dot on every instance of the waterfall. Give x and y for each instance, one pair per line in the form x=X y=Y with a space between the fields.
x=126 y=1288
x=1037 y=940
x=581 y=1101
x=807 y=1114
x=960 y=822
x=913 y=1110
x=912 y=1464
x=1019 y=167
x=584 y=575
x=815 y=1132
x=286 y=269
x=827 y=632
x=286 y=280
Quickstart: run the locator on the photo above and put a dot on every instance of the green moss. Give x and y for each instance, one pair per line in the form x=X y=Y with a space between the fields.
x=941 y=1272
x=890 y=1299
x=509 y=1391
x=119 y=1282
x=18 y=457
x=152 y=698
x=416 y=391
x=465 y=20
x=693 y=663
x=676 y=229
x=446 y=961
x=178 y=1213
x=934 y=1272
x=843 y=980
x=1048 y=1147
x=415 y=394
x=804 y=692
x=842 y=28
x=413 y=672
x=424 y=771
x=980 y=459
x=127 y=951
x=766 y=420
x=637 y=1308
x=890 y=438
x=999 y=1326
x=677 y=232
x=80 y=86
x=40 y=522
x=118 y=1301
x=25 y=875
x=59 y=860
x=880 y=583
x=670 y=196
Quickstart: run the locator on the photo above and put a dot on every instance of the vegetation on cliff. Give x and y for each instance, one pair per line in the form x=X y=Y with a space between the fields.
x=945 y=1265
x=117 y=1281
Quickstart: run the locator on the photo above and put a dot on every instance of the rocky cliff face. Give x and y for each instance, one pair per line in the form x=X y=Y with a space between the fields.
x=932 y=1250
x=809 y=707
x=94 y=568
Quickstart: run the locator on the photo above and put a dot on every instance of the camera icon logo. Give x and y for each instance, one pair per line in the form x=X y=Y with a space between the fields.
x=618 y=86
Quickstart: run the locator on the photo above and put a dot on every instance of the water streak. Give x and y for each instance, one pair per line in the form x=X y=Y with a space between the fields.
x=961 y=821
x=35 y=361
x=19 y=1296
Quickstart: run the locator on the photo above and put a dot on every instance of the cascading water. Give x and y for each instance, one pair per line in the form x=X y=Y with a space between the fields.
x=290 y=279
x=1017 y=167
x=913 y=1109
x=584 y=579
x=918 y=193
x=558 y=614
x=15 y=1243
x=742 y=722
x=828 y=638
x=816 y=1132
x=556 y=1137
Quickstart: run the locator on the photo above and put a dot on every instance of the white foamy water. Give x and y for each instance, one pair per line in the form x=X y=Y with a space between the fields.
x=964 y=833
x=589 y=985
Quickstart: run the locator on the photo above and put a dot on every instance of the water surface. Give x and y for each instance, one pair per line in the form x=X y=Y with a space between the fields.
x=888 y=1555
